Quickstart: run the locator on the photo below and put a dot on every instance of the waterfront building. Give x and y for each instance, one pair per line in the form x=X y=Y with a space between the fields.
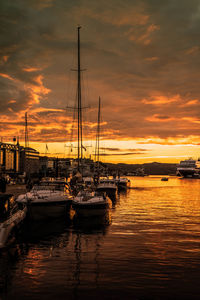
x=15 y=159
x=9 y=158
x=29 y=160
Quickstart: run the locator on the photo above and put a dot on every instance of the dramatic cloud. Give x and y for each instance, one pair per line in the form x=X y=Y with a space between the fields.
x=141 y=57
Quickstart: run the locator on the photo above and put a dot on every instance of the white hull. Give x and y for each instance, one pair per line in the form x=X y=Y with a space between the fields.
x=88 y=205
x=7 y=226
x=189 y=168
x=46 y=204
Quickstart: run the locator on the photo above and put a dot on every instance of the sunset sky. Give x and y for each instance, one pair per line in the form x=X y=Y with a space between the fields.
x=141 y=57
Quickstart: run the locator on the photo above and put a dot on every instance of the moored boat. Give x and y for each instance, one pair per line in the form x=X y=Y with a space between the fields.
x=50 y=199
x=10 y=218
x=123 y=183
x=189 y=168
x=107 y=185
x=90 y=204
x=164 y=179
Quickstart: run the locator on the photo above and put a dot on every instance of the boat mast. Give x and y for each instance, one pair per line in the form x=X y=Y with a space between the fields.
x=80 y=132
x=26 y=161
x=26 y=131
x=98 y=134
x=80 y=128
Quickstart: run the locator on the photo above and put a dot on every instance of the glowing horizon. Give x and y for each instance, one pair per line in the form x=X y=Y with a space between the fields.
x=145 y=72
x=128 y=152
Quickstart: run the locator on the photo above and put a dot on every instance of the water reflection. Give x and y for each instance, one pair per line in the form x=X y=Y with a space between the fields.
x=8 y=259
x=92 y=224
x=114 y=199
x=87 y=262
x=146 y=248
x=35 y=231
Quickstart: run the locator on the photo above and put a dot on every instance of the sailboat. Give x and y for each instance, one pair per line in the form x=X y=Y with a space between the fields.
x=86 y=203
x=76 y=181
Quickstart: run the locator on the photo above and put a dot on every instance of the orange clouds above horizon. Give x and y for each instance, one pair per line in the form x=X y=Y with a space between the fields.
x=146 y=73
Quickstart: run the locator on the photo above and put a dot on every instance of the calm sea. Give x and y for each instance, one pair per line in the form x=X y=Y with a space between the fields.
x=148 y=247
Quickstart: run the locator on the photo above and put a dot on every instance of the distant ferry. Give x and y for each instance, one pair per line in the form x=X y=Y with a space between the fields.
x=189 y=168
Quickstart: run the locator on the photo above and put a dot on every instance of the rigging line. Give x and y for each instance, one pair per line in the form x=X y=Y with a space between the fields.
x=79 y=97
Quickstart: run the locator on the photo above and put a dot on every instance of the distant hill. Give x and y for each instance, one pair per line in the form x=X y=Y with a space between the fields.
x=154 y=168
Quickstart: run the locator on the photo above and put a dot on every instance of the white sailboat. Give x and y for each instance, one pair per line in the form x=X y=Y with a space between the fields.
x=86 y=203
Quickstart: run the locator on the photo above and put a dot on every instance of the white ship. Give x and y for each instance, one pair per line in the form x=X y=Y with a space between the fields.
x=189 y=168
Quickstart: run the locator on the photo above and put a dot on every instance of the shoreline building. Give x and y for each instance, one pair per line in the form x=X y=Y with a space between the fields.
x=29 y=160
x=16 y=159
x=9 y=158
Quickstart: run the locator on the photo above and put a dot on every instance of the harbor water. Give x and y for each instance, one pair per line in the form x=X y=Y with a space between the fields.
x=147 y=247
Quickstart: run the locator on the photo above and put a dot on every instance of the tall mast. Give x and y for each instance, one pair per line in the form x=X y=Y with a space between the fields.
x=98 y=133
x=26 y=131
x=79 y=102
x=26 y=161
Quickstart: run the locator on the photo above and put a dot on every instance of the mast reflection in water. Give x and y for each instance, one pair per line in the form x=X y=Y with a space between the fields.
x=149 y=249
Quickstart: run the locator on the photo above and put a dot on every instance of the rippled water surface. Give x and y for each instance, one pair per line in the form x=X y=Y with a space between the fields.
x=147 y=248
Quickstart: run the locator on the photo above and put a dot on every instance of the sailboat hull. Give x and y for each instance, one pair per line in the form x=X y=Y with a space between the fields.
x=89 y=210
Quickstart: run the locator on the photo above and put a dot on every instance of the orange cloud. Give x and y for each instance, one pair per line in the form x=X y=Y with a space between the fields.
x=144 y=38
x=189 y=140
x=31 y=69
x=93 y=125
x=161 y=100
x=153 y=58
x=43 y=109
x=35 y=91
x=190 y=103
x=38 y=90
x=191 y=119
x=7 y=76
x=12 y=101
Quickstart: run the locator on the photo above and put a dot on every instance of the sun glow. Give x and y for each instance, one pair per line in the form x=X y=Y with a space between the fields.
x=130 y=152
